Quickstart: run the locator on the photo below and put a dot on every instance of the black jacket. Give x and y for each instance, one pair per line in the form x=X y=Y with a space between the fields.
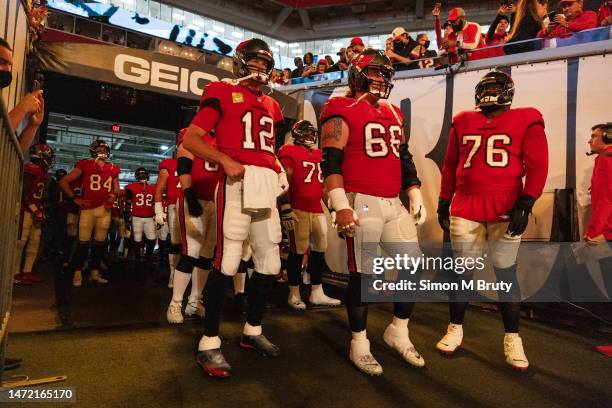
x=527 y=29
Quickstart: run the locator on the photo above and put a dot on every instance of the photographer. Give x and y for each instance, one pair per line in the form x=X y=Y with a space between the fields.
x=572 y=20
x=32 y=105
x=309 y=66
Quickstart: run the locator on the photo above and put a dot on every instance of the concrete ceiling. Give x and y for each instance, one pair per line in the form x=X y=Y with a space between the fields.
x=304 y=20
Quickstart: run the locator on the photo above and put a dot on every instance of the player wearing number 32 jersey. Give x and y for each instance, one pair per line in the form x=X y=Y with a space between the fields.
x=139 y=212
x=483 y=200
x=243 y=121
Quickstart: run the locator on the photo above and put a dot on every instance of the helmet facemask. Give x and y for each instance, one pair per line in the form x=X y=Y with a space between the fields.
x=256 y=73
x=381 y=89
x=142 y=176
x=307 y=138
x=492 y=93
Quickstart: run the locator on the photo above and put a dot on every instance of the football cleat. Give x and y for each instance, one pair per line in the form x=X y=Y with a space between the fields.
x=95 y=277
x=260 y=344
x=34 y=278
x=173 y=314
x=296 y=303
x=452 y=339
x=194 y=308
x=515 y=354
x=319 y=298
x=213 y=363
x=77 y=279
x=399 y=340
x=364 y=360
x=21 y=280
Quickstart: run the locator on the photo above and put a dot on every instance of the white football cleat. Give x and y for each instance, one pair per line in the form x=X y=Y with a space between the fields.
x=362 y=358
x=77 y=279
x=515 y=354
x=94 y=277
x=452 y=339
x=173 y=314
x=399 y=340
x=296 y=303
x=194 y=308
x=319 y=298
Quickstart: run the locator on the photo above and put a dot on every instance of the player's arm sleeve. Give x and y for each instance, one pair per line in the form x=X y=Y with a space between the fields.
x=210 y=109
x=471 y=37
x=410 y=178
x=449 y=168
x=535 y=158
x=601 y=200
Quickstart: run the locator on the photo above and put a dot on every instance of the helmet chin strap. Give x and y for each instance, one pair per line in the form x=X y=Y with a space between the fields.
x=365 y=94
x=235 y=81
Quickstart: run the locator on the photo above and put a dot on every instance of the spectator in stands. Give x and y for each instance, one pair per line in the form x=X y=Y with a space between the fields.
x=573 y=20
x=286 y=75
x=604 y=14
x=299 y=64
x=329 y=60
x=310 y=67
x=528 y=21
x=342 y=63
x=466 y=35
x=498 y=30
x=403 y=44
x=32 y=105
x=354 y=48
x=322 y=66
x=422 y=53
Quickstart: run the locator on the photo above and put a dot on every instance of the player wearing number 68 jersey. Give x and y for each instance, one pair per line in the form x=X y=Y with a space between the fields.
x=302 y=215
x=139 y=212
x=483 y=198
x=100 y=187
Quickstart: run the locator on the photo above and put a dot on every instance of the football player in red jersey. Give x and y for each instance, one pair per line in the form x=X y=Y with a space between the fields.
x=72 y=223
x=100 y=185
x=34 y=185
x=244 y=121
x=483 y=198
x=196 y=212
x=139 y=213
x=366 y=163
x=168 y=181
x=302 y=215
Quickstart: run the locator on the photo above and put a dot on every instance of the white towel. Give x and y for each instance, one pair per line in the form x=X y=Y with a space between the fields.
x=259 y=189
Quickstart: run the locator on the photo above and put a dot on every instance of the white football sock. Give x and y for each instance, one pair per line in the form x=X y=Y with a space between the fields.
x=198 y=280
x=251 y=330
x=398 y=323
x=181 y=280
x=209 y=343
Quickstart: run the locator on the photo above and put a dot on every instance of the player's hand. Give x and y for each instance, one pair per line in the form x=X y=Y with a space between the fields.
x=606 y=21
x=417 y=209
x=288 y=217
x=345 y=222
x=39 y=216
x=444 y=214
x=160 y=219
x=283 y=183
x=600 y=239
x=193 y=205
x=436 y=12
x=31 y=103
x=80 y=202
x=519 y=216
x=36 y=118
x=232 y=168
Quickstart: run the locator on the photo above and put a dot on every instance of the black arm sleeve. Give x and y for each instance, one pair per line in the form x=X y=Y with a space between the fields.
x=332 y=161
x=493 y=26
x=183 y=166
x=409 y=171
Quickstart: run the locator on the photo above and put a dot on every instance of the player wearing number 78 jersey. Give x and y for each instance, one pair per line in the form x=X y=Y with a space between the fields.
x=483 y=198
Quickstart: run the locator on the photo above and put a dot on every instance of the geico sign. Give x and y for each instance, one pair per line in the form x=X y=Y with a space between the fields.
x=140 y=71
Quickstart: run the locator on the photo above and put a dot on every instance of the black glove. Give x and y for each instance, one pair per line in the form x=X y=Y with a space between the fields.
x=519 y=215
x=193 y=205
x=444 y=214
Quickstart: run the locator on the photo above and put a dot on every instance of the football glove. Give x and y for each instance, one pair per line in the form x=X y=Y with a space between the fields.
x=160 y=215
x=444 y=214
x=417 y=209
x=519 y=216
x=288 y=217
x=193 y=205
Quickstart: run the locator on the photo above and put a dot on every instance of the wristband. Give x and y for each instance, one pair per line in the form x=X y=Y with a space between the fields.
x=338 y=199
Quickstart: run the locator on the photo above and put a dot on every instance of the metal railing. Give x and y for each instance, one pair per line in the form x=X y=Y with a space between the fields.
x=10 y=203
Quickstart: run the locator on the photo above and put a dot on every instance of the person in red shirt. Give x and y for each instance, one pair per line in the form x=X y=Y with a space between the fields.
x=599 y=228
x=139 y=212
x=604 y=14
x=489 y=152
x=573 y=20
x=100 y=187
x=466 y=35
x=32 y=211
x=168 y=181
x=366 y=163
x=244 y=121
x=198 y=180
x=302 y=215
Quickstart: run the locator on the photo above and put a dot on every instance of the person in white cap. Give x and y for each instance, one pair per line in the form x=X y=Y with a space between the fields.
x=403 y=44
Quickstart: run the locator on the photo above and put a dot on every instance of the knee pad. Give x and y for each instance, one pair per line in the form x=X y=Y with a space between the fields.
x=267 y=260
x=235 y=224
x=186 y=264
x=204 y=263
x=231 y=257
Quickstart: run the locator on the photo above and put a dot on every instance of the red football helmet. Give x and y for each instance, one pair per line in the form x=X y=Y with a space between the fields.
x=304 y=133
x=42 y=155
x=369 y=62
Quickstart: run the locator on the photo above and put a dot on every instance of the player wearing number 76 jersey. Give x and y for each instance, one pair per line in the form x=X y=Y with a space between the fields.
x=100 y=187
x=483 y=198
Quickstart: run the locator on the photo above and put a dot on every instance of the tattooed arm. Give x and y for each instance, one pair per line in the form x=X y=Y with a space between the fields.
x=334 y=133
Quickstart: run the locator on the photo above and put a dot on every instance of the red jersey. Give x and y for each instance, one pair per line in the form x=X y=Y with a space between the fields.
x=69 y=206
x=97 y=181
x=371 y=162
x=486 y=160
x=601 y=197
x=142 y=199
x=172 y=183
x=244 y=122
x=204 y=178
x=306 y=188
x=37 y=189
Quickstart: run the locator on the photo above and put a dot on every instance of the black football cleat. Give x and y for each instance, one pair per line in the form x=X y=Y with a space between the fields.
x=260 y=344
x=213 y=363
